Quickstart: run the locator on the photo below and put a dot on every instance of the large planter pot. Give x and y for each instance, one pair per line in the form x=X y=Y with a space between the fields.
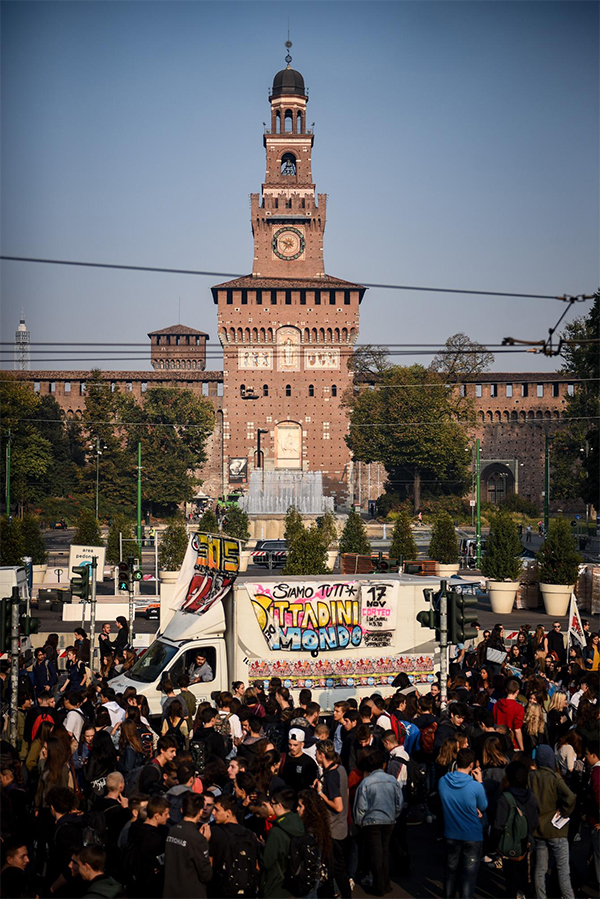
x=39 y=572
x=556 y=598
x=446 y=571
x=502 y=596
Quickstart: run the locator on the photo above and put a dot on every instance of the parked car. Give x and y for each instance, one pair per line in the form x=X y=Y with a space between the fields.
x=270 y=553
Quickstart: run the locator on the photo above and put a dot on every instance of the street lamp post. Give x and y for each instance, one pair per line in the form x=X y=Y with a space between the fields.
x=98 y=451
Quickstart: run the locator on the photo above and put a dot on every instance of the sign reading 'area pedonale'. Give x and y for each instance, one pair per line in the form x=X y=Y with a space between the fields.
x=313 y=617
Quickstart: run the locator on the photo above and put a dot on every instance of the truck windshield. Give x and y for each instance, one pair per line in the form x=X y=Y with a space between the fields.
x=153 y=662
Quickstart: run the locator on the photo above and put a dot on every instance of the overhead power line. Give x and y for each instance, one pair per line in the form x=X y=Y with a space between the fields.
x=182 y=271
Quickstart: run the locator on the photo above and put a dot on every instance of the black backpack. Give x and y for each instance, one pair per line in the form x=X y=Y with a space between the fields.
x=240 y=874
x=416 y=790
x=303 y=865
x=174 y=730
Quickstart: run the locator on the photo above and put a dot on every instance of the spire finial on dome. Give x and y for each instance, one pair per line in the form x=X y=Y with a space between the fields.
x=288 y=45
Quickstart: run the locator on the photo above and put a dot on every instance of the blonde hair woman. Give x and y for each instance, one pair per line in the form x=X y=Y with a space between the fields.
x=534 y=726
x=558 y=719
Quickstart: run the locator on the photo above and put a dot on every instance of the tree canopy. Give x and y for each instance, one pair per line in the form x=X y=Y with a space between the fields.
x=462 y=356
x=407 y=423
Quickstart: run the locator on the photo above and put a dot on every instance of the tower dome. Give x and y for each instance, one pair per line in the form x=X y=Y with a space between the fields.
x=288 y=83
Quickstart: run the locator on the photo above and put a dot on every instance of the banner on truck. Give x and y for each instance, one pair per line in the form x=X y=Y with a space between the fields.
x=331 y=618
x=209 y=568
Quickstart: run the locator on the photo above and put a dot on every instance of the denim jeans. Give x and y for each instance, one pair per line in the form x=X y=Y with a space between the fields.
x=462 y=866
x=560 y=850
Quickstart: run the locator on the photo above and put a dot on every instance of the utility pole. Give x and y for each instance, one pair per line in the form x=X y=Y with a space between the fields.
x=14 y=663
x=130 y=590
x=8 y=455
x=139 y=502
x=546 y=483
x=478 y=486
x=443 y=644
x=93 y=567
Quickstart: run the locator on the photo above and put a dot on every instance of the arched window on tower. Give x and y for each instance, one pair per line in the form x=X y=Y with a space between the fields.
x=265 y=389
x=311 y=389
x=334 y=390
x=299 y=128
x=289 y=120
x=288 y=389
x=288 y=164
x=278 y=122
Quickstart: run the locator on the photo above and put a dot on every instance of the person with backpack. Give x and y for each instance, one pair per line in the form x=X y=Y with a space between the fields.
x=333 y=790
x=67 y=838
x=81 y=642
x=513 y=829
x=309 y=858
x=131 y=751
x=188 y=699
x=209 y=736
x=175 y=725
x=450 y=725
x=75 y=718
x=150 y=779
x=377 y=805
x=187 y=862
x=76 y=673
x=556 y=804
x=464 y=801
x=234 y=851
x=287 y=826
x=43 y=674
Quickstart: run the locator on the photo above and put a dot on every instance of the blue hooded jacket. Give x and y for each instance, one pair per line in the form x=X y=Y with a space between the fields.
x=461 y=797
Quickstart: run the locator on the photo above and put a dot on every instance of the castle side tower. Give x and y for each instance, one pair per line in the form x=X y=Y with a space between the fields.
x=287 y=329
x=22 y=342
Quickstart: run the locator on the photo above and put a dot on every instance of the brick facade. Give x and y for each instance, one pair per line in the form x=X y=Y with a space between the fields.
x=178 y=347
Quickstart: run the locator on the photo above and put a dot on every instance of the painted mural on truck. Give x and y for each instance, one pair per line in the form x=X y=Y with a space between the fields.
x=325 y=621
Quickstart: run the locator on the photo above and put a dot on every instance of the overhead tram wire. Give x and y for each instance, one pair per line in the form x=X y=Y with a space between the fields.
x=180 y=271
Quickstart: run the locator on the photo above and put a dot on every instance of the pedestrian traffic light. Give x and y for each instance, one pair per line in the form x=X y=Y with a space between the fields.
x=461 y=617
x=80 y=585
x=431 y=617
x=5 y=624
x=124 y=576
x=137 y=574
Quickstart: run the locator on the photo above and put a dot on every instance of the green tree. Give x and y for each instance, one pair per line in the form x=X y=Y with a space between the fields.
x=87 y=530
x=461 y=355
x=33 y=540
x=444 y=542
x=31 y=454
x=501 y=561
x=354 y=536
x=407 y=423
x=174 y=430
x=369 y=361
x=307 y=554
x=12 y=544
x=575 y=448
x=173 y=545
x=558 y=559
x=293 y=526
x=120 y=525
x=403 y=545
x=327 y=524
x=207 y=523
x=237 y=524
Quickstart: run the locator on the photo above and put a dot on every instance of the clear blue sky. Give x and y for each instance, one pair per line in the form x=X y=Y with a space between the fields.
x=458 y=144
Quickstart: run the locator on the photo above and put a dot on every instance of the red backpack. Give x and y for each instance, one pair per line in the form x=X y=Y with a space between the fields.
x=428 y=738
x=399 y=730
x=43 y=716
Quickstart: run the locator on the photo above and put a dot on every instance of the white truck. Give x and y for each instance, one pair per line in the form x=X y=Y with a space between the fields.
x=16 y=576
x=339 y=636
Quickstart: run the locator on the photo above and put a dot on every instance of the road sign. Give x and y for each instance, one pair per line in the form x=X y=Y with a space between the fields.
x=578 y=517
x=472 y=502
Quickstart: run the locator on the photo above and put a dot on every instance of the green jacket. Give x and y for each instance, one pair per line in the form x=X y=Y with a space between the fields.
x=103 y=887
x=276 y=852
x=552 y=795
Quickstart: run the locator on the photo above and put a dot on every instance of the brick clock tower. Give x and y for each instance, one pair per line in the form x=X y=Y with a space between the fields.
x=288 y=329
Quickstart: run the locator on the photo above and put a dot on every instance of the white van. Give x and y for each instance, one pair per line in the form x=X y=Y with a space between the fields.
x=16 y=576
x=339 y=636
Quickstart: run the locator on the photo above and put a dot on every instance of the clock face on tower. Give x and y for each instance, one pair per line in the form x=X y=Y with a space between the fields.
x=288 y=243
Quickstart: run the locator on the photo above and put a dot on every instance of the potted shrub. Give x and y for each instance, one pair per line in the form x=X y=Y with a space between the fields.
x=443 y=547
x=501 y=564
x=173 y=546
x=559 y=564
x=403 y=545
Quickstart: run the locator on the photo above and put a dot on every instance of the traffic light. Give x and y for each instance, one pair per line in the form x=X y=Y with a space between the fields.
x=124 y=571
x=461 y=617
x=28 y=625
x=80 y=585
x=137 y=574
x=431 y=617
x=5 y=624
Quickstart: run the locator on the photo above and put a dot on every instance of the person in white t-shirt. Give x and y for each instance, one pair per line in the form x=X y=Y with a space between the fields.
x=75 y=718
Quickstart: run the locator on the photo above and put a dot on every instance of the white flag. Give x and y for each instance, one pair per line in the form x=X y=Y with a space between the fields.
x=575 y=627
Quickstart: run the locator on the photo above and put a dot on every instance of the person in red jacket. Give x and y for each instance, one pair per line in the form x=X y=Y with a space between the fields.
x=510 y=712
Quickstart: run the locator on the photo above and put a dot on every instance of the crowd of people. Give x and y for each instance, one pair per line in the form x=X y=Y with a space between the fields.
x=260 y=793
